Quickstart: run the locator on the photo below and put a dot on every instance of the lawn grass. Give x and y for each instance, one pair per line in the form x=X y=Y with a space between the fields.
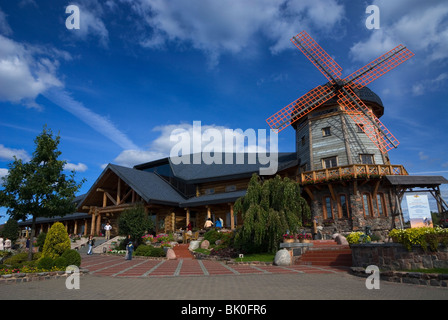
x=263 y=257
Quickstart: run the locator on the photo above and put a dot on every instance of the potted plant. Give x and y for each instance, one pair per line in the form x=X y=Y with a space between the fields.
x=288 y=238
x=304 y=237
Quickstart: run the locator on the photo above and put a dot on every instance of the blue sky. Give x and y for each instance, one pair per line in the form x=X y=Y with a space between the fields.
x=136 y=70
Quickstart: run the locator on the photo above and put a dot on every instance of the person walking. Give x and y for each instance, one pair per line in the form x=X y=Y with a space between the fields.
x=208 y=224
x=7 y=244
x=90 y=243
x=1 y=243
x=129 y=247
x=108 y=227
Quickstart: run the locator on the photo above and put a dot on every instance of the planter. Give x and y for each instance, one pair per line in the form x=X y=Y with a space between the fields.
x=288 y=240
x=305 y=241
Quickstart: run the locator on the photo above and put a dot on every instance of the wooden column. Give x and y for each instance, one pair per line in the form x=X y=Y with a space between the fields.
x=85 y=227
x=98 y=223
x=188 y=215
x=232 y=218
x=75 y=231
x=173 y=221
x=92 y=224
x=209 y=212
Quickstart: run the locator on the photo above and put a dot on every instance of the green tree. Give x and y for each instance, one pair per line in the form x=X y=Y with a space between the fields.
x=11 y=230
x=56 y=242
x=269 y=209
x=39 y=187
x=135 y=222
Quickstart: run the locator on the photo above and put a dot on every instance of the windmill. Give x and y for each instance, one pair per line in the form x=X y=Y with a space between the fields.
x=343 y=90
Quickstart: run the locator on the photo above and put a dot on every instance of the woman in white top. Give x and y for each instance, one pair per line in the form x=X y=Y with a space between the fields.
x=1 y=243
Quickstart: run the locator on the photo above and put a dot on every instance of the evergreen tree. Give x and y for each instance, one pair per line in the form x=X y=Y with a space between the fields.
x=269 y=209
x=134 y=221
x=39 y=187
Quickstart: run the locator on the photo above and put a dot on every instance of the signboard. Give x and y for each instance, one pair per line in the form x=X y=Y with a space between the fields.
x=419 y=212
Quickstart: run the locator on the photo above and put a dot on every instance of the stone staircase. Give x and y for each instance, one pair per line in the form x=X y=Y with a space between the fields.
x=182 y=252
x=326 y=253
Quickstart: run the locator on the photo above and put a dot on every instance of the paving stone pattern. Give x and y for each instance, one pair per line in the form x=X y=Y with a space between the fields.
x=117 y=266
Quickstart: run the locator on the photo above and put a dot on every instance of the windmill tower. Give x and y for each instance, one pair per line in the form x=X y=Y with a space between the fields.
x=341 y=144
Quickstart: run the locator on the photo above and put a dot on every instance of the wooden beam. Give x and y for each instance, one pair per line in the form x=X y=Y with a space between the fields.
x=119 y=191
x=375 y=190
x=308 y=191
x=333 y=196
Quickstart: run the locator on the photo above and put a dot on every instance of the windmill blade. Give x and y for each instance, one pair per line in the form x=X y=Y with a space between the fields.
x=379 y=66
x=366 y=120
x=321 y=59
x=300 y=107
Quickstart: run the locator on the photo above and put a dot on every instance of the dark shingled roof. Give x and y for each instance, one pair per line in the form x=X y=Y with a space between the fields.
x=416 y=181
x=213 y=199
x=203 y=172
x=148 y=185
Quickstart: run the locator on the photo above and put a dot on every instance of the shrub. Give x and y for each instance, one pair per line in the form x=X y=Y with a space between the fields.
x=41 y=240
x=56 y=241
x=149 y=251
x=45 y=263
x=143 y=250
x=424 y=237
x=357 y=237
x=157 y=252
x=17 y=260
x=60 y=263
x=73 y=257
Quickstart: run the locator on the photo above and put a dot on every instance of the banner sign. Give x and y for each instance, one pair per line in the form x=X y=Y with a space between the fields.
x=419 y=211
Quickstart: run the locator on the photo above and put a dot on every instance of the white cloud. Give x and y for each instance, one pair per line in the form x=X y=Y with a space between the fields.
x=195 y=138
x=27 y=71
x=91 y=22
x=3 y=173
x=8 y=154
x=232 y=26
x=426 y=85
x=421 y=26
x=97 y=122
x=80 y=167
x=4 y=26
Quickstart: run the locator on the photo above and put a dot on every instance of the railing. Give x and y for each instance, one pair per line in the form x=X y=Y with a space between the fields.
x=347 y=173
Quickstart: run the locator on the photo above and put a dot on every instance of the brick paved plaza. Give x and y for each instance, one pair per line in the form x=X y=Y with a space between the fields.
x=113 y=278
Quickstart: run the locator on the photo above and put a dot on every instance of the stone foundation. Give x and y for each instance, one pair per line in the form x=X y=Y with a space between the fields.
x=394 y=256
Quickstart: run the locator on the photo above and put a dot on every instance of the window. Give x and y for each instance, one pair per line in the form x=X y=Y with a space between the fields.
x=367 y=205
x=343 y=206
x=366 y=158
x=326 y=132
x=329 y=162
x=328 y=210
x=380 y=204
x=359 y=128
x=210 y=191
x=231 y=188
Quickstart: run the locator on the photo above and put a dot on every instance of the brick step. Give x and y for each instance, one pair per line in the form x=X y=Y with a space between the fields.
x=326 y=253
x=182 y=251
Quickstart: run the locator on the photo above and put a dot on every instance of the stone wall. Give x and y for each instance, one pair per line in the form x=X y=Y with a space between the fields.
x=394 y=256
